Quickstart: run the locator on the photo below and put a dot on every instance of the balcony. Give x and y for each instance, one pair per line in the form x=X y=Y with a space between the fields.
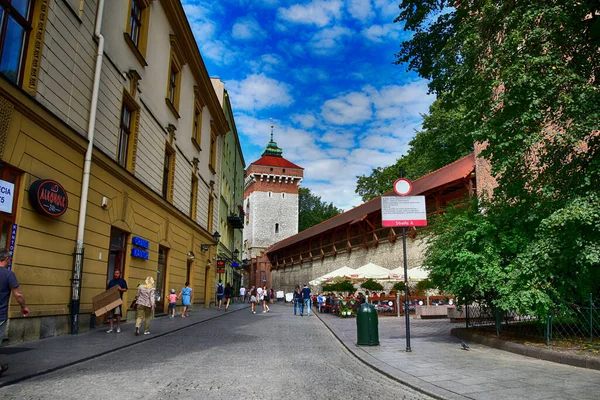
x=236 y=217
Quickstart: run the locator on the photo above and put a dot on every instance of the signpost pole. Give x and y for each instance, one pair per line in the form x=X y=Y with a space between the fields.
x=406 y=293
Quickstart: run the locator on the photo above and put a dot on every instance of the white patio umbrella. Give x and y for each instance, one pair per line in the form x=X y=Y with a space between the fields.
x=371 y=270
x=343 y=271
x=414 y=274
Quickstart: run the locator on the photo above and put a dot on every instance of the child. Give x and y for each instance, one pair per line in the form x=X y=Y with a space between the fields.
x=172 y=302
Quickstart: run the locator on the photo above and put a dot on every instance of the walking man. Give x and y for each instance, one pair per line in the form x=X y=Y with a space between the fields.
x=306 y=300
x=242 y=294
x=220 y=292
x=8 y=285
x=116 y=313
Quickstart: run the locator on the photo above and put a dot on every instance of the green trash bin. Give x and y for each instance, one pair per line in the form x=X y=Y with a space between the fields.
x=367 y=326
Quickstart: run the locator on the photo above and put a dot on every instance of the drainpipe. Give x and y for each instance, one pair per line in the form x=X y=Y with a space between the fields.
x=85 y=182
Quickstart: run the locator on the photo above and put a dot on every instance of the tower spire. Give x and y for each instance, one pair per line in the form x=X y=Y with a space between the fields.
x=272 y=149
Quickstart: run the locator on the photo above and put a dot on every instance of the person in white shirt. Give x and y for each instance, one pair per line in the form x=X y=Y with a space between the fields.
x=242 y=294
x=261 y=295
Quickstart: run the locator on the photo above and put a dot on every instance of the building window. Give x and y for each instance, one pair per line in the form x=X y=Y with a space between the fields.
x=117 y=252
x=136 y=34
x=15 y=25
x=276 y=228
x=213 y=151
x=209 y=223
x=283 y=195
x=128 y=133
x=194 y=197
x=168 y=173
x=197 y=122
x=161 y=279
x=174 y=82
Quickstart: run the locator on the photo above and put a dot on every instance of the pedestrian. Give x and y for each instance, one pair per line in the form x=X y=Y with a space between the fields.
x=260 y=295
x=8 y=285
x=320 y=301
x=220 y=293
x=253 y=300
x=227 y=294
x=145 y=305
x=297 y=299
x=172 y=303
x=272 y=295
x=116 y=313
x=305 y=300
x=242 y=294
x=249 y=292
x=186 y=299
x=266 y=297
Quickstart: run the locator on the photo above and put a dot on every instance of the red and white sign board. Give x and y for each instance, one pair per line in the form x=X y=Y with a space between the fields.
x=404 y=211
x=402 y=187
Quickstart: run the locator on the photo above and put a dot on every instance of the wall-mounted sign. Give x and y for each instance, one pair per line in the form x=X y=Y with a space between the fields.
x=139 y=253
x=11 y=248
x=139 y=242
x=220 y=263
x=48 y=197
x=7 y=192
x=235 y=265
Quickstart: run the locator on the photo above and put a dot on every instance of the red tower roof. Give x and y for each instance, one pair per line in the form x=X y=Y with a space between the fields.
x=274 y=161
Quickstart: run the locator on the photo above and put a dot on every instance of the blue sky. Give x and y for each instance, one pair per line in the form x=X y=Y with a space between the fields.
x=323 y=71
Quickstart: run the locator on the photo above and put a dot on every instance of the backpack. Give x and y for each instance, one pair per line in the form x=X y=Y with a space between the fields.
x=220 y=289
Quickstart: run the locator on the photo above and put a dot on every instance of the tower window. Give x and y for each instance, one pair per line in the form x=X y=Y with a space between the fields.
x=284 y=170
x=283 y=195
x=276 y=228
x=271 y=169
x=269 y=194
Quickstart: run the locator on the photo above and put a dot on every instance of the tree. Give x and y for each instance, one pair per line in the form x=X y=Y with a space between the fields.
x=312 y=210
x=371 y=284
x=524 y=76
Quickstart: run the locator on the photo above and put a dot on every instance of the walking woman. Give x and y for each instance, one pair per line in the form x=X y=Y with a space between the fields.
x=297 y=299
x=253 y=300
x=186 y=299
x=266 y=298
x=145 y=305
x=228 y=293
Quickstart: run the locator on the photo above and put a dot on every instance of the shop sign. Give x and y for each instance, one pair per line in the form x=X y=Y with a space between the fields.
x=48 y=197
x=140 y=253
x=11 y=248
x=139 y=242
x=7 y=192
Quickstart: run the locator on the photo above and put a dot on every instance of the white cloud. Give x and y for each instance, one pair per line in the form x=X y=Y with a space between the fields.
x=317 y=12
x=258 y=92
x=388 y=9
x=329 y=41
x=384 y=143
x=248 y=28
x=348 y=109
x=360 y=9
x=305 y=120
x=343 y=140
x=382 y=33
x=308 y=74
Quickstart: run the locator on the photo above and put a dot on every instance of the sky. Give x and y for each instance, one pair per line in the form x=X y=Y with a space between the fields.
x=323 y=73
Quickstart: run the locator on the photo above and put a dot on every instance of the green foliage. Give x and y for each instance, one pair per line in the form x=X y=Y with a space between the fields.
x=371 y=284
x=523 y=77
x=344 y=286
x=398 y=286
x=312 y=210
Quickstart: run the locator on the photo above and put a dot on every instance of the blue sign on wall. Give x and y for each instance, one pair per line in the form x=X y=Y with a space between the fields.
x=11 y=247
x=235 y=265
x=139 y=242
x=139 y=253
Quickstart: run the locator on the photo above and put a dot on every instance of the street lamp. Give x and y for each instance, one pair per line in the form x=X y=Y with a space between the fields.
x=216 y=237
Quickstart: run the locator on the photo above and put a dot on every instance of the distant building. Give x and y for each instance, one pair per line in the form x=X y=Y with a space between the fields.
x=270 y=206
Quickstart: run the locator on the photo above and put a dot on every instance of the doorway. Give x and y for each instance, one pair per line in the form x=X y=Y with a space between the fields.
x=161 y=279
x=117 y=252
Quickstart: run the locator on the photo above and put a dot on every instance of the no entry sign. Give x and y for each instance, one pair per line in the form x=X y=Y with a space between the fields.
x=403 y=211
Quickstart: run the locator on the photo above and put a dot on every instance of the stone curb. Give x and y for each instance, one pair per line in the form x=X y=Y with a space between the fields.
x=390 y=375
x=141 y=339
x=575 y=360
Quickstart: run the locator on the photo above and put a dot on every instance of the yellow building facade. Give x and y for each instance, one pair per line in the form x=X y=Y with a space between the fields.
x=153 y=190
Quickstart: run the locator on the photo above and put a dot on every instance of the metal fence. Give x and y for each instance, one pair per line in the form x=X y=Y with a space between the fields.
x=569 y=323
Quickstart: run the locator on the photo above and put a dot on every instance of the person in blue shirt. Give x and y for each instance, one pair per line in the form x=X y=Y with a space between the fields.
x=116 y=312
x=305 y=300
x=320 y=301
x=8 y=285
x=186 y=299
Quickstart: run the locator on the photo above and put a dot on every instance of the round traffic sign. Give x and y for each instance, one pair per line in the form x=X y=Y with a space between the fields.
x=402 y=187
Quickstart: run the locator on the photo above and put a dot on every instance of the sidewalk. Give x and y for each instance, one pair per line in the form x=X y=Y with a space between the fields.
x=29 y=359
x=438 y=366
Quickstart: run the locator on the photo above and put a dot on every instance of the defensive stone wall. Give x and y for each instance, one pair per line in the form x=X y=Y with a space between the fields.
x=388 y=255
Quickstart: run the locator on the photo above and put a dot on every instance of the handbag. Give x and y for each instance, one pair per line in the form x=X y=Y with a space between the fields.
x=133 y=304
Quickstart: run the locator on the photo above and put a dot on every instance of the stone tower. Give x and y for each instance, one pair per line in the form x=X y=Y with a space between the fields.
x=270 y=200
